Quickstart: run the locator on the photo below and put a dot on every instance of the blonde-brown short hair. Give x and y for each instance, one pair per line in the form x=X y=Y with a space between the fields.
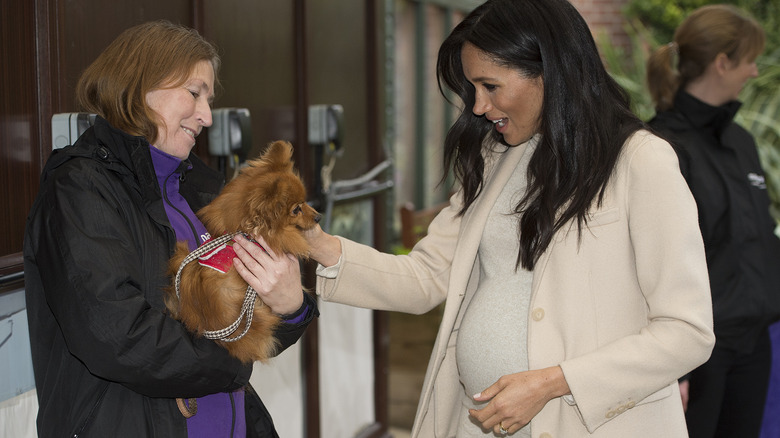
x=706 y=32
x=141 y=59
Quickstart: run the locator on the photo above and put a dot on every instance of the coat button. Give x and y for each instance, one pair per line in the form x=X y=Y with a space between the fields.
x=611 y=414
x=631 y=404
x=537 y=314
x=102 y=152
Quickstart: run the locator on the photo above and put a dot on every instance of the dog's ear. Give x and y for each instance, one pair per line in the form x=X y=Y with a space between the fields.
x=281 y=151
x=278 y=157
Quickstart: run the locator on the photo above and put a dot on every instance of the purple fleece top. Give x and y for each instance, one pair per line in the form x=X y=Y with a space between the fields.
x=219 y=414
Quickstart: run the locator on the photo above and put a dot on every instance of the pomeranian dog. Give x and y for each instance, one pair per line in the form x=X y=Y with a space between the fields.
x=267 y=198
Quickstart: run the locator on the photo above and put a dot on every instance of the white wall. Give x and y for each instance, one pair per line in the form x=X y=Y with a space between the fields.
x=18 y=402
x=17 y=416
x=346 y=370
x=279 y=384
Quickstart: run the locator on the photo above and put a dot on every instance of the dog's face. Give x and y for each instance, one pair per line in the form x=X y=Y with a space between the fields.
x=277 y=210
x=266 y=199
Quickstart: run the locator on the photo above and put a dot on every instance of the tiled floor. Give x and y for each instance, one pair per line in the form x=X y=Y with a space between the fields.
x=411 y=342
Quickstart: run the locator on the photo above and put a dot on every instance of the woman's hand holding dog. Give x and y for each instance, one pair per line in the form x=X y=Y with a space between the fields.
x=275 y=277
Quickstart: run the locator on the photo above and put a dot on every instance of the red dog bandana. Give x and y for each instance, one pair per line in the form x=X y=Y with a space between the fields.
x=221 y=258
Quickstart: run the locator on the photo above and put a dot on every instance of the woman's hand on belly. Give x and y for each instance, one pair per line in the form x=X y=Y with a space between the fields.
x=516 y=398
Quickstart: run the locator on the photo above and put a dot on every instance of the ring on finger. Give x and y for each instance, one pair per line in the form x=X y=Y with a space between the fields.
x=501 y=428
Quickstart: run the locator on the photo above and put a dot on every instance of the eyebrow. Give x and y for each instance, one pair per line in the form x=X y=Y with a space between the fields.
x=483 y=80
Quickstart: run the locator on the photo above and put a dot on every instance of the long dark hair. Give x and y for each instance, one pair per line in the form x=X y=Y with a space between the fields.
x=586 y=116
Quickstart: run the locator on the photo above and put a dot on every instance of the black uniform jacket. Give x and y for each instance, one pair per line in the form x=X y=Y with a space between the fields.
x=720 y=162
x=108 y=361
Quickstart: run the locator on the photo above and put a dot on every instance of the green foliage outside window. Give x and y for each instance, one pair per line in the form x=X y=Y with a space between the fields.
x=652 y=23
x=663 y=16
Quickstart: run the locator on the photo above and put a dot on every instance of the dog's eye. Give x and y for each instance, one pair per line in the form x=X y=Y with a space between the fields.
x=296 y=210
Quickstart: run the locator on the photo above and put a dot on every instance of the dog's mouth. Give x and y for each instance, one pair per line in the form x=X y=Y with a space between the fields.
x=304 y=227
x=316 y=219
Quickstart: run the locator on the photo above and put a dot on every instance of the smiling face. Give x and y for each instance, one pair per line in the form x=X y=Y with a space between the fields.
x=183 y=111
x=503 y=95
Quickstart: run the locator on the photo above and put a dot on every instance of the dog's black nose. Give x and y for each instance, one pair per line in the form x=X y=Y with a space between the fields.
x=317 y=218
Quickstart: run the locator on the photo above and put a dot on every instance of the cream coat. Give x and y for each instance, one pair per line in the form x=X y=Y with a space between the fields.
x=624 y=311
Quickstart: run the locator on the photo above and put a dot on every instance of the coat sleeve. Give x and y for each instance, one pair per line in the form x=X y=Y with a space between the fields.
x=413 y=283
x=96 y=276
x=288 y=333
x=672 y=293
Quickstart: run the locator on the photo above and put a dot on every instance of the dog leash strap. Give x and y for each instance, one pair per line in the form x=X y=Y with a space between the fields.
x=247 y=308
x=199 y=251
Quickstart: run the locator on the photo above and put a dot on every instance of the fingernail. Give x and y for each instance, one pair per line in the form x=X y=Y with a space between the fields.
x=477 y=395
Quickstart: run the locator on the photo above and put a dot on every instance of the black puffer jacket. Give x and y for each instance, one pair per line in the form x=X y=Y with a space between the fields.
x=108 y=362
x=720 y=162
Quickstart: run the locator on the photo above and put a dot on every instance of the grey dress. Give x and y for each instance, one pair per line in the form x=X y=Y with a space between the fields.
x=492 y=339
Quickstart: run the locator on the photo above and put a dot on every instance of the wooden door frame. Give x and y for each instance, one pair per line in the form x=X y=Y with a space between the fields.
x=310 y=341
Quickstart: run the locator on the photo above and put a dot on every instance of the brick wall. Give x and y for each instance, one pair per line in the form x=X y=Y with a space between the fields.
x=604 y=16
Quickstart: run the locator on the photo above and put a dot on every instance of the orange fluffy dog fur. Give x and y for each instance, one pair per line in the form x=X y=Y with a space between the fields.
x=266 y=199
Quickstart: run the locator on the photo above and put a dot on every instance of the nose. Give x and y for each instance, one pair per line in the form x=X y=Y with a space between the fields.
x=204 y=114
x=754 y=70
x=481 y=105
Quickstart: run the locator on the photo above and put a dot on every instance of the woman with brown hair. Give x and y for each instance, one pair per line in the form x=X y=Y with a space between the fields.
x=108 y=359
x=695 y=82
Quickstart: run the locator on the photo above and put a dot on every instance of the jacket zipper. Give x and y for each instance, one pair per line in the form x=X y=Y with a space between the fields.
x=168 y=201
x=91 y=414
x=233 y=419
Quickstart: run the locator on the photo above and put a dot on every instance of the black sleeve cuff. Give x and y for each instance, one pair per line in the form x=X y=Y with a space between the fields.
x=296 y=315
x=288 y=334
